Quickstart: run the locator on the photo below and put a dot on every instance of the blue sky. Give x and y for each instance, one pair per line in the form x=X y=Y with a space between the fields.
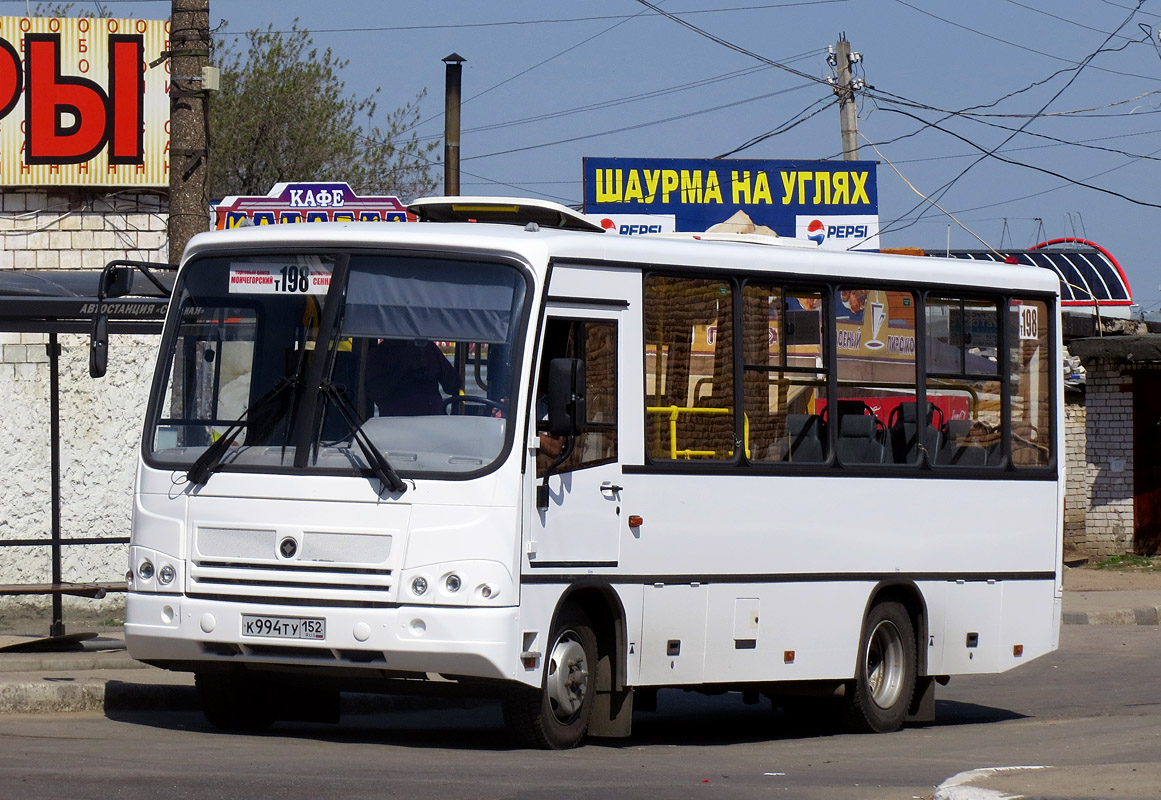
x=547 y=83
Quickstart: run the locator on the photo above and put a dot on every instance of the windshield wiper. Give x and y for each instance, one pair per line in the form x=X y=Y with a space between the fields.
x=209 y=461
x=371 y=452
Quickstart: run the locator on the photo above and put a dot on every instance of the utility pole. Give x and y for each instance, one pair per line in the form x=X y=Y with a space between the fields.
x=189 y=45
x=451 y=123
x=845 y=89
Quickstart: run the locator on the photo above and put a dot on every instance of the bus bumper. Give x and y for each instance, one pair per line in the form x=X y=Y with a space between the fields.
x=453 y=642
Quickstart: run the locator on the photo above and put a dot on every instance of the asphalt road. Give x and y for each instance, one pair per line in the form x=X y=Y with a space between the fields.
x=1096 y=701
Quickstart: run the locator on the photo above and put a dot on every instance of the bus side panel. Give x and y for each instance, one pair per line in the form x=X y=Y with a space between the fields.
x=784 y=631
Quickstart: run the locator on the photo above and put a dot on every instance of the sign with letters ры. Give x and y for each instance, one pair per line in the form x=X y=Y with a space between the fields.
x=79 y=104
x=833 y=204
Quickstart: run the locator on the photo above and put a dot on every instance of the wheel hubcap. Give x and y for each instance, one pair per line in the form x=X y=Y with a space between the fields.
x=568 y=677
x=884 y=664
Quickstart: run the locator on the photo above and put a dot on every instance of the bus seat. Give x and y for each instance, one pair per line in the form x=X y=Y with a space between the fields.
x=857 y=441
x=906 y=435
x=805 y=434
x=959 y=449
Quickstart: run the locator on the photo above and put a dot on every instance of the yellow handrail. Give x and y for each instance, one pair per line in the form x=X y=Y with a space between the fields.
x=674 y=411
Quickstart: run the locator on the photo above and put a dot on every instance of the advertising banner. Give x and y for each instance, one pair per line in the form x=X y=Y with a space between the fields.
x=308 y=202
x=634 y=224
x=79 y=104
x=834 y=204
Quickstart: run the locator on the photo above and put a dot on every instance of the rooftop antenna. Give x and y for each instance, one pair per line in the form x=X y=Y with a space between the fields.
x=1038 y=236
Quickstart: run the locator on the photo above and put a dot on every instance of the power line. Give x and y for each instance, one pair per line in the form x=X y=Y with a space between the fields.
x=612 y=103
x=640 y=125
x=992 y=153
x=730 y=45
x=1063 y=142
x=534 y=66
x=1023 y=46
x=1054 y=16
x=793 y=122
x=1085 y=113
x=522 y=22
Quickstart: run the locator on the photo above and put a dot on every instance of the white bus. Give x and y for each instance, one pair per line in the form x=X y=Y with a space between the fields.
x=567 y=469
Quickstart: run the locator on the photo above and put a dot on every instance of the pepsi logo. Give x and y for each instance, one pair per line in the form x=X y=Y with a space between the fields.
x=816 y=231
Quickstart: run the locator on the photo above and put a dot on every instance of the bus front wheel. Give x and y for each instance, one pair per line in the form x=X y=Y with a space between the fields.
x=557 y=716
x=884 y=683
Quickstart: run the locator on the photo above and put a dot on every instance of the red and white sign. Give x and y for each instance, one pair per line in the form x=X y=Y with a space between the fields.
x=279 y=279
x=79 y=105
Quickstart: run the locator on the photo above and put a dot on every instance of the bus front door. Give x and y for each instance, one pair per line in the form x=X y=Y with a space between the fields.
x=580 y=526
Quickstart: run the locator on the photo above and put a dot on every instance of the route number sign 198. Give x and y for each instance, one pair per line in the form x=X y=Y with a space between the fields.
x=1029 y=322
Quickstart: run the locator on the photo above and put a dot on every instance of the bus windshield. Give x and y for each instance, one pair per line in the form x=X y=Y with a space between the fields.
x=416 y=357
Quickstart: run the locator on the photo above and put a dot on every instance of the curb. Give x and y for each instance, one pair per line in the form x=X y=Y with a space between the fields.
x=1149 y=615
x=58 y=695
x=55 y=695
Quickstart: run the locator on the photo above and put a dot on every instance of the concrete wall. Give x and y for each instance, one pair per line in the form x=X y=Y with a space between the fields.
x=100 y=419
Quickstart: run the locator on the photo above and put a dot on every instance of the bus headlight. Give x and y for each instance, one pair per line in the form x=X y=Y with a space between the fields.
x=459 y=583
x=145 y=570
x=166 y=574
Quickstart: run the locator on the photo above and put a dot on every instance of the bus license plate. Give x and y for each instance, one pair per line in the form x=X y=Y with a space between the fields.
x=284 y=627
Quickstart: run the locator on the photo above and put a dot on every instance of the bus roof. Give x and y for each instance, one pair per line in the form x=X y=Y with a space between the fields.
x=539 y=246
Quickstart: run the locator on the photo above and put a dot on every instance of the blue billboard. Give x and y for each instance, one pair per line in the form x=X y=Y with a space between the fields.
x=834 y=204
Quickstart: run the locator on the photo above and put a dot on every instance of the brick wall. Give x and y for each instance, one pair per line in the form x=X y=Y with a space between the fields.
x=75 y=230
x=1108 y=459
x=100 y=419
x=1076 y=485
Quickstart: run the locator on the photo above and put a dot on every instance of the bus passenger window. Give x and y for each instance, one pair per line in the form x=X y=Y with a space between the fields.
x=1031 y=383
x=963 y=382
x=689 y=369
x=785 y=377
x=875 y=366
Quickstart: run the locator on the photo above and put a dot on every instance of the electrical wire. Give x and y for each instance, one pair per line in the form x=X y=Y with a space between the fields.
x=1084 y=113
x=609 y=103
x=529 y=69
x=992 y=152
x=791 y=123
x=1048 y=191
x=1063 y=142
x=730 y=45
x=1023 y=46
x=1056 y=17
x=912 y=187
x=640 y=125
x=522 y=22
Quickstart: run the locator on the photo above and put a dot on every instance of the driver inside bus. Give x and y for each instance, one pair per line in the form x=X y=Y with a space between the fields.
x=404 y=378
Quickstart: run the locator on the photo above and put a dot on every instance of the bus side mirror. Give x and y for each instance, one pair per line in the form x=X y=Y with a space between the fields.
x=116 y=281
x=99 y=347
x=566 y=396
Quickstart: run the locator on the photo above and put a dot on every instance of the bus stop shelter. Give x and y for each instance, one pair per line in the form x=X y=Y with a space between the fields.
x=127 y=297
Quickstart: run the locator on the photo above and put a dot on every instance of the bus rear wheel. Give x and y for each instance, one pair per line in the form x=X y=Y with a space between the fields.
x=884 y=685
x=557 y=716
